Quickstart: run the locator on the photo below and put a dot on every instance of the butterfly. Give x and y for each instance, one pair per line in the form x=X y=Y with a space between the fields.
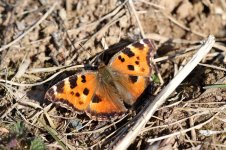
x=103 y=93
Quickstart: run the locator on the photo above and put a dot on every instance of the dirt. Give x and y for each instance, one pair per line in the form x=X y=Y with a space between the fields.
x=76 y=31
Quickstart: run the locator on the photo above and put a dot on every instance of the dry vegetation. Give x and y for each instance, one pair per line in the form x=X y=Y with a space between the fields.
x=40 y=41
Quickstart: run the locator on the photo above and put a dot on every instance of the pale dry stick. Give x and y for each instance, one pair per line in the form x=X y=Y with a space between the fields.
x=214 y=54
x=162 y=39
x=50 y=121
x=175 y=66
x=192 y=123
x=30 y=104
x=22 y=68
x=219 y=46
x=162 y=96
x=202 y=109
x=85 y=125
x=49 y=69
x=39 y=83
x=36 y=116
x=221 y=119
x=186 y=136
x=211 y=132
x=209 y=103
x=137 y=18
x=183 y=131
x=207 y=143
x=212 y=66
x=173 y=104
x=148 y=128
x=30 y=29
x=178 y=54
x=31 y=11
x=152 y=4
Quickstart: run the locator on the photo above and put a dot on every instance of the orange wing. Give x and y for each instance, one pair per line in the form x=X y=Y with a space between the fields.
x=134 y=59
x=130 y=87
x=75 y=91
x=106 y=104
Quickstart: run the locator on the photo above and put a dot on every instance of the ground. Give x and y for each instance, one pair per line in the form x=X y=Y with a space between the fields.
x=45 y=41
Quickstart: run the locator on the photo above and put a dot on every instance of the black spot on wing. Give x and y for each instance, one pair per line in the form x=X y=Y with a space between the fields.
x=137 y=62
x=121 y=59
x=86 y=91
x=128 y=52
x=73 y=81
x=72 y=93
x=142 y=69
x=96 y=99
x=80 y=102
x=61 y=100
x=77 y=94
x=130 y=67
x=60 y=87
x=133 y=79
x=138 y=45
x=83 y=79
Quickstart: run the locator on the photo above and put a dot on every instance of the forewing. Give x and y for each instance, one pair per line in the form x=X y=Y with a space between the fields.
x=134 y=59
x=75 y=91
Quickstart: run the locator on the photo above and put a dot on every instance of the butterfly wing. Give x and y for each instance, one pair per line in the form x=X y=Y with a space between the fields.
x=106 y=104
x=75 y=91
x=131 y=67
x=134 y=59
x=130 y=87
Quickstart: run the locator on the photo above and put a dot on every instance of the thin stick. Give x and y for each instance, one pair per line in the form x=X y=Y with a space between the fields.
x=162 y=96
x=137 y=18
x=30 y=29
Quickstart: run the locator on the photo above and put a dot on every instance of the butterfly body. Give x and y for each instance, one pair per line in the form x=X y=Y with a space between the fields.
x=102 y=93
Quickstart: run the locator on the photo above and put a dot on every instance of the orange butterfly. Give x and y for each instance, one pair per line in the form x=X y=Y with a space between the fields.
x=102 y=93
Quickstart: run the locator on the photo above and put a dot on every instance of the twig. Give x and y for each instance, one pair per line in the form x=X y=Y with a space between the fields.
x=137 y=18
x=30 y=29
x=162 y=39
x=160 y=99
x=153 y=5
x=212 y=66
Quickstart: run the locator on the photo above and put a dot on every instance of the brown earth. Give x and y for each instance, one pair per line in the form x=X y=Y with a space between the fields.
x=37 y=43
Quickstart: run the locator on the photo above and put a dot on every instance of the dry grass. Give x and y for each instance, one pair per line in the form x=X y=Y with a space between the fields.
x=42 y=42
